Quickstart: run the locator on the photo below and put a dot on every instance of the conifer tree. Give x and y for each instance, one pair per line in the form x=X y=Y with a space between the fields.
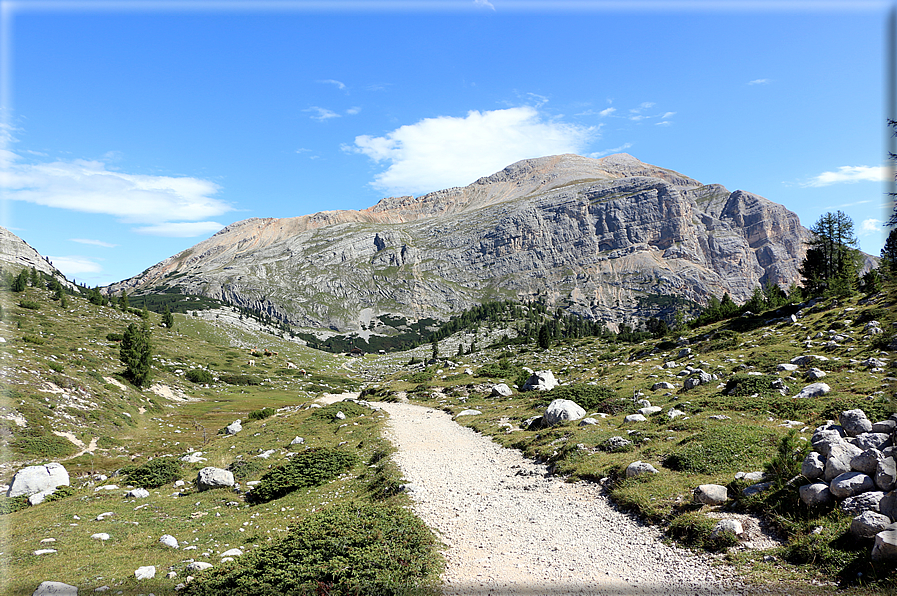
x=20 y=282
x=136 y=353
x=831 y=265
x=167 y=318
x=123 y=303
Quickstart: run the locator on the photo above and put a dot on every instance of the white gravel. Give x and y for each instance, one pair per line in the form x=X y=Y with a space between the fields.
x=511 y=530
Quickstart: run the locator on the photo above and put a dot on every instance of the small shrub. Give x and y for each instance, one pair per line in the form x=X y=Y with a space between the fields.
x=308 y=468
x=588 y=397
x=746 y=385
x=11 y=505
x=245 y=469
x=198 y=375
x=694 y=529
x=349 y=408
x=153 y=473
x=261 y=414
x=29 y=304
x=56 y=367
x=107 y=442
x=423 y=376
x=114 y=337
x=723 y=448
x=347 y=549
x=60 y=493
x=232 y=379
x=44 y=446
x=34 y=339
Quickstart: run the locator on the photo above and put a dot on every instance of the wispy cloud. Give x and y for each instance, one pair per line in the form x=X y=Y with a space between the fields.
x=622 y=147
x=607 y=111
x=450 y=151
x=849 y=174
x=321 y=114
x=73 y=265
x=181 y=229
x=93 y=242
x=760 y=82
x=663 y=123
x=339 y=84
x=353 y=110
x=89 y=187
x=484 y=4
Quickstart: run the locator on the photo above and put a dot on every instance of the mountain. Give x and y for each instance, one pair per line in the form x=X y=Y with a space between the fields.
x=15 y=254
x=590 y=235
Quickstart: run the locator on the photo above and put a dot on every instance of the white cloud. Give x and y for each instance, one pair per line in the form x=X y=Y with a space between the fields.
x=321 y=114
x=760 y=82
x=484 y=4
x=353 y=110
x=181 y=229
x=622 y=147
x=74 y=265
x=87 y=186
x=339 y=84
x=93 y=242
x=607 y=111
x=449 y=151
x=848 y=174
x=668 y=115
x=870 y=226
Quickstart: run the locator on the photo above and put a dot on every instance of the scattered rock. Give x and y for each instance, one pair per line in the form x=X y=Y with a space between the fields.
x=815 y=494
x=813 y=390
x=103 y=536
x=501 y=390
x=234 y=552
x=723 y=526
x=169 y=541
x=148 y=572
x=850 y=484
x=542 y=380
x=55 y=589
x=662 y=386
x=787 y=367
x=340 y=416
x=588 y=422
x=868 y=524
x=886 y=473
x=45 y=551
x=194 y=457
x=209 y=478
x=198 y=566
x=234 y=427
x=870 y=501
x=137 y=493
x=35 y=479
x=467 y=413
x=562 y=410
x=855 y=422
x=711 y=494
x=755 y=489
x=297 y=441
x=635 y=418
x=814 y=374
x=637 y=468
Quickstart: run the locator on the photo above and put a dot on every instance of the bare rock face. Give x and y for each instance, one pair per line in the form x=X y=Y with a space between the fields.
x=17 y=253
x=595 y=234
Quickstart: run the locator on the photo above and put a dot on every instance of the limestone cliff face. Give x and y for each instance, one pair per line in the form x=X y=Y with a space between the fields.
x=15 y=254
x=590 y=235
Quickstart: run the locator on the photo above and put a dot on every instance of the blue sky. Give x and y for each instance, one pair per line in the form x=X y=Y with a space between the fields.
x=133 y=130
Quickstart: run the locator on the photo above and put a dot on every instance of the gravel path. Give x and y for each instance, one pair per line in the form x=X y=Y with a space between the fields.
x=511 y=530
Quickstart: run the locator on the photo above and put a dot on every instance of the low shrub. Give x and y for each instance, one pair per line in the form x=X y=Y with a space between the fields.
x=723 y=448
x=153 y=473
x=11 y=505
x=60 y=493
x=114 y=337
x=308 y=468
x=694 y=529
x=199 y=375
x=347 y=549
x=232 y=379
x=29 y=304
x=588 y=397
x=245 y=469
x=44 y=446
x=349 y=408
x=423 y=376
x=33 y=339
x=261 y=414
x=747 y=385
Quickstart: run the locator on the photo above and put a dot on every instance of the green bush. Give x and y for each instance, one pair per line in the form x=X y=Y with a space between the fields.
x=747 y=385
x=60 y=493
x=347 y=549
x=153 y=473
x=723 y=448
x=198 y=375
x=34 y=339
x=29 y=304
x=12 y=505
x=589 y=397
x=245 y=469
x=421 y=376
x=44 y=446
x=311 y=467
x=349 y=408
x=114 y=337
x=694 y=529
x=261 y=414
x=232 y=379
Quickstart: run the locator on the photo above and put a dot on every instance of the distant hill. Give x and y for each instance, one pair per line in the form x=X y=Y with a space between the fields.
x=593 y=236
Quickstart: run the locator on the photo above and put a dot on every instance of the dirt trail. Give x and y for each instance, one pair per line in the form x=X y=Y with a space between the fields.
x=512 y=530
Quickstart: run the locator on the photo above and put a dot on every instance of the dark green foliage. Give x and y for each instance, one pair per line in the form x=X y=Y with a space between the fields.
x=167 y=318
x=504 y=369
x=20 y=282
x=723 y=447
x=245 y=469
x=12 y=505
x=724 y=339
x=347 y=549
x=44 y=446
x=261 y=414
x=746 y=385
x=199 y=375
x=694 y=529
x=29 y=304
x=311 y=467
x=136 y=353
x=95 y=297
x=832 y=260
x=588 y=397
x=114 y=337
x=123 y=303
x=60 y=493
x=544 y=339
x=423 y=376
x=33 y=339
x=349 y=408
x=889 y=253
x=232 y=379
x=153 y=473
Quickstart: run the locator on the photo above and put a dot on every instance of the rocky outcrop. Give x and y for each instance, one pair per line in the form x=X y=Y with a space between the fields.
x=593 y=235
x=16 y=254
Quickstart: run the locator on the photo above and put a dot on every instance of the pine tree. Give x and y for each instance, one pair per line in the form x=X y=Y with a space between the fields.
x=35 y=278
x=889 y=253
x=123 y=303
x=21 y=281
x=136 y=353
x=544 y=339
x=831 y=265
x=167 y=318
x=435 y=345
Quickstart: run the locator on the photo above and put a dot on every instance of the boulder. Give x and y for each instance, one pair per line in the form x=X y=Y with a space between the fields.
x=637 y=468
x=823 y=439
x=169 y=541
x=38 y=498
x=813 y=390
x=501 y=390
x=885 y=426
x=813 y=466
x=855 y=422
x=340 y=416
x=102 y=536
x=866 y=462
x=723 y=526
x=885 y=548
x=808 y=359
x=588 y=422
x=756 y=489
x=673 y=413
x=35 y=479
x=635 y=418
x=617 y=444
x=888 y=505
x=137 y=493
x=871 y=440
x=787 y=367
x=198 y=566
x=647 y=411
x=562 y=410
x=662 y=386
x=297 y=441
x=234 y=552
x=55 y=589
x=148 y=572
x=814 y=374
x=209 y=478
x=194 y=457
x=839 y=457
x=233 y=428
x=868 y=524
x=815 y=494
x=868 y=501
x=541 y=380
x=851 y=484
x=886 y=473
x=711 y=494
x=469 y=412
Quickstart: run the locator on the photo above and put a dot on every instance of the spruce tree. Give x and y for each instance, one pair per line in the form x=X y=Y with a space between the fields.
x=123 y=303
x=544 y=339
x=21 y=281
x=136 y=353
x=832 y=261
x=889 y=254
x=167 y=318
